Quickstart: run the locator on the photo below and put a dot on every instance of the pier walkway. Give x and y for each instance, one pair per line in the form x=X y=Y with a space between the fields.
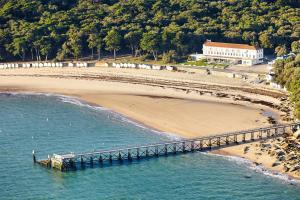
x=71 y=161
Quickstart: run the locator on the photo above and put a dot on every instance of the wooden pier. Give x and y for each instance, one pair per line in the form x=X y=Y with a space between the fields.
x=71 y=161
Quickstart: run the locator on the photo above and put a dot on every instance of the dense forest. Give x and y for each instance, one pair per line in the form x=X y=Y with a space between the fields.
x=287 y=73
x=67 y=29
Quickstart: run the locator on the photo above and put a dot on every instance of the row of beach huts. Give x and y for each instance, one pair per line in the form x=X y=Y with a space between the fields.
x=45 y=64
x=143 y=66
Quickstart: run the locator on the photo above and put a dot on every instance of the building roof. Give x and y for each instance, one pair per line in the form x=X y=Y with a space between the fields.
x=230 y=45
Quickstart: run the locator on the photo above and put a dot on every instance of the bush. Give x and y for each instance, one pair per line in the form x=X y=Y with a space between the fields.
x=169 y=57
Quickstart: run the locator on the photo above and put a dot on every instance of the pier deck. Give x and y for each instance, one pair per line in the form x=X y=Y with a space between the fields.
x=71 y=161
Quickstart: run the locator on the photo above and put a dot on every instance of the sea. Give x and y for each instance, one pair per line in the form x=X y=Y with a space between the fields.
x=53 y=124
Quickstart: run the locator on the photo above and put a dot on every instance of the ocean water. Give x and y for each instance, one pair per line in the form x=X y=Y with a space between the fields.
x=52 y=124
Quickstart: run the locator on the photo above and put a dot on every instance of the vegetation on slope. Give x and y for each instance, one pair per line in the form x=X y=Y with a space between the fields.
x=287 y=73
x=47 y=29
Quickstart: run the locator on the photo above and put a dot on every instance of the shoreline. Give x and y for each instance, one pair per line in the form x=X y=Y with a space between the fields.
x=158 y=107
x=261 y=168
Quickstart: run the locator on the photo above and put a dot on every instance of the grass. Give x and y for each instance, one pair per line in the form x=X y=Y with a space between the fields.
x=204 y=63
x=199 y=63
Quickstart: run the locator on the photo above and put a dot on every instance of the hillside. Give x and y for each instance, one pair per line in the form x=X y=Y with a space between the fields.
x=48 y=29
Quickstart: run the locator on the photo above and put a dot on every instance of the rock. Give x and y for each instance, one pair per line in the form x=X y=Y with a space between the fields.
x=276 y=163
x=272 y=153
x=286 y=168
x=291 y=156
x=297 y=134
x=285 y=146
x=246 y=149
x=256 y=163
x=266 y=145
x=280 y=153
x=276 y=146
x=281 y=158
x=294 y=168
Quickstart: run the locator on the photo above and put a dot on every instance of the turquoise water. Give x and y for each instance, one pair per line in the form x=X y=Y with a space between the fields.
x=52 y=124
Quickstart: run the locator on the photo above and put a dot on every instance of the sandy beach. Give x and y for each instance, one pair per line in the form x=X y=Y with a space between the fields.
x=187 y=105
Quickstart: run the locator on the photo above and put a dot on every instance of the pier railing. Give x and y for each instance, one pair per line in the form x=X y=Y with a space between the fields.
x=66 y=162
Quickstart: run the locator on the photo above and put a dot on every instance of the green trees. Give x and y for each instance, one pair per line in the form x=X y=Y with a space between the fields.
x=295 y=46
x=71 y=29
x=150 y=42
x=287 y=73
x=281 y=50
x=113 y=41
x=92 y=42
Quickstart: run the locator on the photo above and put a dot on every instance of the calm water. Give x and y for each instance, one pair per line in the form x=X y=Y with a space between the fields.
x=50 y=124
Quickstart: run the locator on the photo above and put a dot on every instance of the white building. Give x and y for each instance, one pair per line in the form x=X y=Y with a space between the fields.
x=233 y=53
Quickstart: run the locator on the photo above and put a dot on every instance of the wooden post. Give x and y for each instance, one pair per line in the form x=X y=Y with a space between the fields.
x=91 y=161
x=129 y=155
x=192 y=146
x=227 y=140
x=120 y=157
x=33 y=156
x=209 y=143
x=219 y=141
x=156 y=151
x=110 y=158
x=166 y=149
x=235 y=139
x=252 y=136
x=49 y=162
x=147 y=152
x=201 y=145
x=138 y=153
x=183 y=147
x=100 y=160
x=244 y=137
x=174 y=148
x=268 y=133
x=81 y=162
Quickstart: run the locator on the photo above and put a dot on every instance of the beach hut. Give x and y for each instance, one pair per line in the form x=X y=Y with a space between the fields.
x=70 y=64
x=156 y=67
x=93 y=64
x=114 y=64
x=118 y=65
x=1 y=66
x=171 y=68
x=148 y=67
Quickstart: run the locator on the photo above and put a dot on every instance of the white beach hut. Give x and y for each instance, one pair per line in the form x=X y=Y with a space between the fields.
x=156 y=67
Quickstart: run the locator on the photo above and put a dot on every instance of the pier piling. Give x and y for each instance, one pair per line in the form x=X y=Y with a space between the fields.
x=69 y=161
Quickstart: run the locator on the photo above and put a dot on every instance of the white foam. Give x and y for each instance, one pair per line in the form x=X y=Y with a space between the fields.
x=115 y=115
x=118 y=116
x=258 y=168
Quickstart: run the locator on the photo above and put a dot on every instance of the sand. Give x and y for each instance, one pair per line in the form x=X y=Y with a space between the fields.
x=180 y=112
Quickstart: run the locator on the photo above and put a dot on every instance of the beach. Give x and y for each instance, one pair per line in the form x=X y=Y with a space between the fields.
x=182 y=104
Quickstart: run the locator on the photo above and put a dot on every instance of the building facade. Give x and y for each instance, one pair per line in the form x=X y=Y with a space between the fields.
x=232 y=53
